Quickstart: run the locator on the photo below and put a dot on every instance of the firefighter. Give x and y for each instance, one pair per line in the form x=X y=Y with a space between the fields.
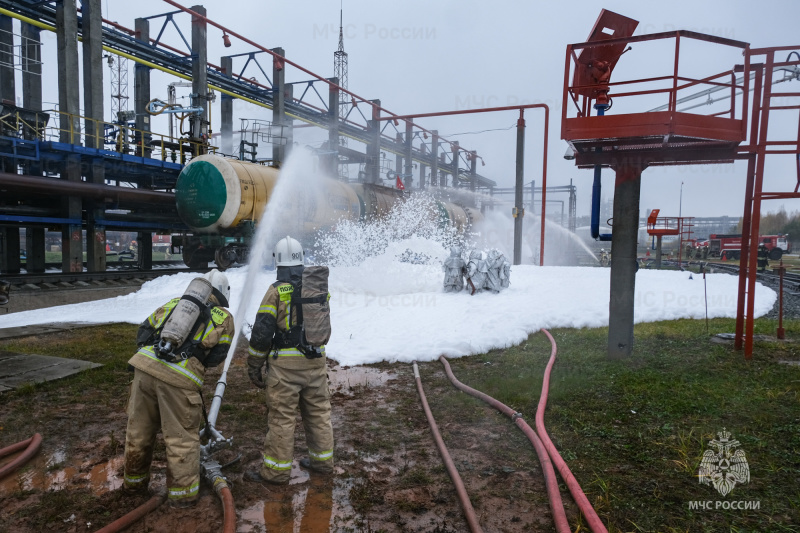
x=166 y=394
x=294 y=379
x=763 y=257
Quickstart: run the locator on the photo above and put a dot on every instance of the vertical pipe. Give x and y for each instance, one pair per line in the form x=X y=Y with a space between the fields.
x=658 y=251
x=288 y=122
x=423 y=168
x=373 y=163
x=519 y=210
x=278 y=106
x=473 y=170
x=455 y=148
x=544 y=178
x=781 y=334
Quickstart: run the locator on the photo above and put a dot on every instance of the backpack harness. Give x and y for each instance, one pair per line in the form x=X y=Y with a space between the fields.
x=295 y=336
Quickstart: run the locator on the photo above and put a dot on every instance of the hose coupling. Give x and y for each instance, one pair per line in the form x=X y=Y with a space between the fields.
x=515 y=416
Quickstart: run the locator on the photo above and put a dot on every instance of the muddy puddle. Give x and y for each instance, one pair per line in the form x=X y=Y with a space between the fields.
x=348 y=380
x=56 y=471
x=317 y=506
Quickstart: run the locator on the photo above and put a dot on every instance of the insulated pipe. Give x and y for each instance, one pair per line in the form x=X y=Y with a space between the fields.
x=553 y=494
x=595 y=222
x=466 y=505
x=31 y=446
x=137 y=514
x=595 y=524
x=50 y=186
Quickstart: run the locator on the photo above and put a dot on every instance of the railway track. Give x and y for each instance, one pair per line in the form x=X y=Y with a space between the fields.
x=61 y=280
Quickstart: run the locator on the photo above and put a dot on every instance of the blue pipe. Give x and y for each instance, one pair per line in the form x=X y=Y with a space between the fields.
x=595 y=224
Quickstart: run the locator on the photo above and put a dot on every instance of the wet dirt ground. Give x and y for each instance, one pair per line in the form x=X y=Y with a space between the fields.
x=388 y=476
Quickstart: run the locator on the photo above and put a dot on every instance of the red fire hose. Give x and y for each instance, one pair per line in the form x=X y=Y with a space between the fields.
x=31 y=446
x=556 y=505
x=595 y=524
x=466 y=505
x=229 y=520
x=135 y=515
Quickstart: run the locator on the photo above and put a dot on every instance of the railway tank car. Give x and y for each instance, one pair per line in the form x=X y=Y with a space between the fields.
x=221 y=200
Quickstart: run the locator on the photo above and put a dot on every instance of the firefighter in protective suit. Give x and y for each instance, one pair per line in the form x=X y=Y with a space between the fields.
x=294 y=379
x=166 y=395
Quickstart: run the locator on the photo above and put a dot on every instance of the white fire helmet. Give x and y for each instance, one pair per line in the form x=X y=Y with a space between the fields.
x=219 y=281
x=288 y=252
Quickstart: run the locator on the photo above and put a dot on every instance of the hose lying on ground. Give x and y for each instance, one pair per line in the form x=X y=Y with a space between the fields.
x=595 y=524
x=466 y=505
x=229 y=520
x=31 y=446
x=556 y=505
x=121 y=523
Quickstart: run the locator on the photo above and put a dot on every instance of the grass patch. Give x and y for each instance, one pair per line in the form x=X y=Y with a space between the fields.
x=634 y=431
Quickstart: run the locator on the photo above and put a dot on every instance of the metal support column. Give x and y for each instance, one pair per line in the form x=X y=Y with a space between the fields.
x=423 y=168
x=199 y=123
x=278 y=106
x=34 y=250
x=92 y=20
x=288 y=122
x=226 y=110
x=519 y=211
x=435 y=158
x=141 y=92
x=398 y=160
x=145 y=250
x=408 y=178
x=658 y=251
x=473 y=169
x=69 y=107
x=373 y=164
x=333 y=128
x=623 y=265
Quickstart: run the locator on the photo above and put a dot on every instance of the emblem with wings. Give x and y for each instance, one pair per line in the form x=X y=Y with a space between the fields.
x=726 y=466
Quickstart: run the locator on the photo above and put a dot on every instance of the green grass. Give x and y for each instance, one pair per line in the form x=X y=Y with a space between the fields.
x=634 y=431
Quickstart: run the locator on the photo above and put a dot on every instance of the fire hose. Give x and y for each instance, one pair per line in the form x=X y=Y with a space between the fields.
x=31 y=446
x=466 y=505
x=595 y=524
x=556 y=505
x=125 y=521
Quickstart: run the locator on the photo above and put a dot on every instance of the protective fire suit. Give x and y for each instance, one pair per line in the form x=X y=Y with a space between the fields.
x=293 y=380
x=167 y=396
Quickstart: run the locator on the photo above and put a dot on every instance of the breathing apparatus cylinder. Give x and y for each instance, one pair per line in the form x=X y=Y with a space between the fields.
x=184 y=316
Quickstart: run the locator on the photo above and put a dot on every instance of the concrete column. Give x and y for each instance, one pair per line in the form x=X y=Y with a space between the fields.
x=372 y=166
x=435 y=158
x=226 y=110
x=333 y=127
x=7 y=86
x=32 y=100
x=92 y=19
x=623 y=261
x=31 y=73
x=398 y=161
x=473 y=171
x=408 y=180
x=454 y=148
x=658 y=251
x=34 y=250
x=9 y=251
x=68 y=90
x=519 y=209
x=141 y=92
x=145 y=250
x=69 y=105
x=278 y=104
x=199 y=123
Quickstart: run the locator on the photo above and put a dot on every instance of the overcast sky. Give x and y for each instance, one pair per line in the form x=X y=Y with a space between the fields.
x=423 y=56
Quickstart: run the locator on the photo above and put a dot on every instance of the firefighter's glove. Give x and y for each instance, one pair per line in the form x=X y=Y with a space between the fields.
x=254 y=366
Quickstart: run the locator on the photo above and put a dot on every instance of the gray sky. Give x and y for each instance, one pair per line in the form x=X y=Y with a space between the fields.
x=422 y=56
